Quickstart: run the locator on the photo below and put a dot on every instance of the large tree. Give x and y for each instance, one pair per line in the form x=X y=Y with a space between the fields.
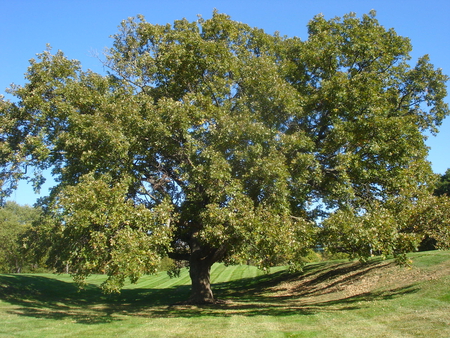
x=213 y=141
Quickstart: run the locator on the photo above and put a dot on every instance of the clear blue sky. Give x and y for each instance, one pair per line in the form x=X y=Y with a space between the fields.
x=82 y=29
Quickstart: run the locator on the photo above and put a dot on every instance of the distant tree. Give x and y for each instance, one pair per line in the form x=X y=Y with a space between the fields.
x=430 y=217
x=15 y=221
x=213 y=141
x=434 y=219
x=443 y=185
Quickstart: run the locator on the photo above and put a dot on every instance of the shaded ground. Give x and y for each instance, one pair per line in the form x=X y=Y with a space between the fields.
x=322 y=287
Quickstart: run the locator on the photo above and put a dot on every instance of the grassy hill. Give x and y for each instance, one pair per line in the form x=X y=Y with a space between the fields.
x=330 y=299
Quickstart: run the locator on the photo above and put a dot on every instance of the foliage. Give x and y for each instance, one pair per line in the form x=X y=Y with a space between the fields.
x=15 y=222
x=443 y=185
x=214 y=141
x=430 y=216
x=166 y=264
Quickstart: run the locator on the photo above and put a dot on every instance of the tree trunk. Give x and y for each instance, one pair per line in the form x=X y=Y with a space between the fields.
x=18 y=265
x=199 y=271
x=200 y=261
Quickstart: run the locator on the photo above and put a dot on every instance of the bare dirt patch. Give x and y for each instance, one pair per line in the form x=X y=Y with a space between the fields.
x=353 y=280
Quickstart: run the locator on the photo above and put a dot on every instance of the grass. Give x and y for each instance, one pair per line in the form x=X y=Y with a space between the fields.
x=332 y=299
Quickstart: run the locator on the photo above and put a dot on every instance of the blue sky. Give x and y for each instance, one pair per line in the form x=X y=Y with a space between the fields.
x=82 y=30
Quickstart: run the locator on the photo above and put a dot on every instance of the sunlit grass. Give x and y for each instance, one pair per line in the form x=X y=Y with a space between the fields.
x=333 y=299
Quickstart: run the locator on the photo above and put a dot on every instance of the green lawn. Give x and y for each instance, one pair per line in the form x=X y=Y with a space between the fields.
x=333 y=299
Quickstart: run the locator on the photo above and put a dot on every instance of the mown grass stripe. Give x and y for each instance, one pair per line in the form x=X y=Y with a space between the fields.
x=216 y=270
x=161 y=280
x=246 y=271
x=216 y=275
x=164 y=281
x=225 y=275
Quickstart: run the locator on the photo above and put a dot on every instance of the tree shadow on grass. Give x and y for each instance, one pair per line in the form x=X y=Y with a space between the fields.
x=51 y=298
x=317 y=289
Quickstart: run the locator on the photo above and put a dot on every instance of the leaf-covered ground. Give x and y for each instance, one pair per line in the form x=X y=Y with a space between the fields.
x=331 y=299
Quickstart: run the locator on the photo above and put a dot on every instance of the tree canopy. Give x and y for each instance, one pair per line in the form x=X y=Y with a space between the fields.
x=214 y=141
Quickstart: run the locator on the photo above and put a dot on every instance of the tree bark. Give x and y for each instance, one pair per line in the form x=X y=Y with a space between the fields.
x=201 y=259
x=199 y=271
